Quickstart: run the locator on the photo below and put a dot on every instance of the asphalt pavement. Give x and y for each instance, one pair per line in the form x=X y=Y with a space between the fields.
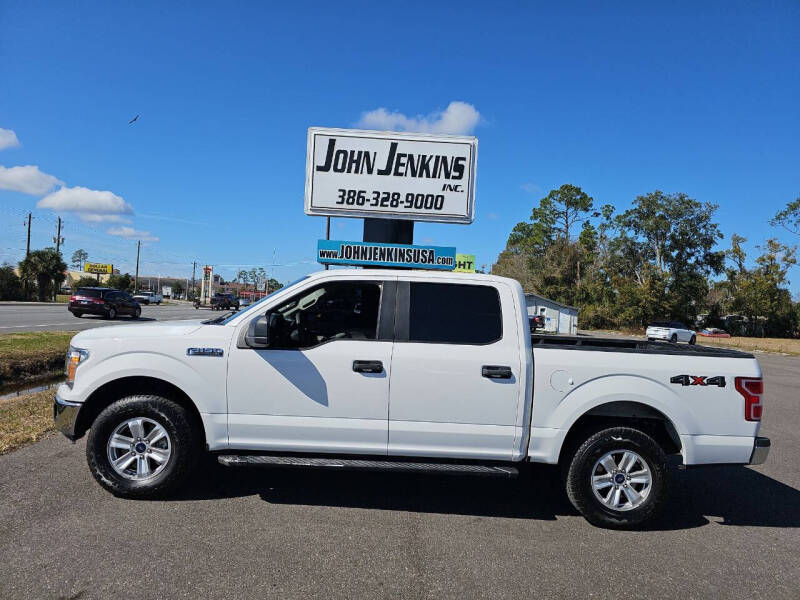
x=728 y=532
x=16 y=317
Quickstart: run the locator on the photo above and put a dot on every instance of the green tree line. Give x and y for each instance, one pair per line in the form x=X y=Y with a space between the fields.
x=659 y=259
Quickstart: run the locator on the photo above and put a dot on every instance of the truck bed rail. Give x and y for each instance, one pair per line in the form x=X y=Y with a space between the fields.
x=597 y=344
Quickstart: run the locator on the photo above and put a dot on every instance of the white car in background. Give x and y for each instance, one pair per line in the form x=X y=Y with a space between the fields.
x=673 y=331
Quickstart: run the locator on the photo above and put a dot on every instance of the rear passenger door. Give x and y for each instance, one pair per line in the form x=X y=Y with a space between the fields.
x=455 y=380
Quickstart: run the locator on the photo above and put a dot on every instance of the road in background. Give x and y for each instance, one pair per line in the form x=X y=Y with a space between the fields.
x=727 y=532
x=55 y=317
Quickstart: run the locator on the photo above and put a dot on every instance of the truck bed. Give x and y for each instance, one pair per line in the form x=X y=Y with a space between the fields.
x=571 y=342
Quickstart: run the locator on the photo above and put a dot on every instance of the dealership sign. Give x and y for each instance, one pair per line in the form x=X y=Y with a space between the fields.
x=373 y=254
x=417 y=177
x=98 y=268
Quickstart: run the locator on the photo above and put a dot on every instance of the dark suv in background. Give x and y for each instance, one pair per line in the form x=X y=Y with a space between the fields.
x=224 y=301
x=105 y=302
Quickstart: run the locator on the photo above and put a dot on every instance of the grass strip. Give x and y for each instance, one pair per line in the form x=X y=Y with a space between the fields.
x=31 y=356
x=25 y=419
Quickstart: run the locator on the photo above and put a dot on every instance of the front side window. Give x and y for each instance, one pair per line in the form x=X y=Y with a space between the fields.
x=342 y=310
x=448 y=313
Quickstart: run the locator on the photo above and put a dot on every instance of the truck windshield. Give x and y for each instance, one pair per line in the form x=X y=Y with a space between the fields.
x=265 y=298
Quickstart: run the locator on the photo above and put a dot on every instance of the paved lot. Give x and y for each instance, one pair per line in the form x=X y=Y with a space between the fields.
x=56 y=317
x=729 y=532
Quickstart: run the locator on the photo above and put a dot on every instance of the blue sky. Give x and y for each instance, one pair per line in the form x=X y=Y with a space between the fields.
x=616 y=98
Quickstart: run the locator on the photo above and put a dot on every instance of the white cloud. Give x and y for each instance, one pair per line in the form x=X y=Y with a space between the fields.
x=83 y=200
x=28 y=180
x=531 y=188
x=457 y=118
x=132 y=234
x=8 y=139
x=94 y=218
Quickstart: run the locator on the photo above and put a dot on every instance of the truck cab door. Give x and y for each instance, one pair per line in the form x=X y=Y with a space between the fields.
x=322 y=384
x=456 y=384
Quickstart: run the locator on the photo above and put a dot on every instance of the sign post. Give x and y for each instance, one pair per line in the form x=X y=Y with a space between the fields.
x=206 y=285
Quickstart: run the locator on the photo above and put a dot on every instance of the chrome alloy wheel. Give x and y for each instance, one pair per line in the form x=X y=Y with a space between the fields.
x=139 y=448
x=621 y=480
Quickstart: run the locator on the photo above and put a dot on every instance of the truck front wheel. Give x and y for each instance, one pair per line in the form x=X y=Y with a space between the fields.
x=618 y=478
x=142 y=446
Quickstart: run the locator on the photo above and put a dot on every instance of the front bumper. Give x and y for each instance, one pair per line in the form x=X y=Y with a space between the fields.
x=65 y=416
x=761 y=447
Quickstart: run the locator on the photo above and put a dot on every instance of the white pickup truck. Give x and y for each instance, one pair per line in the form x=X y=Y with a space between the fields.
x=406 y=370
x=148 y=298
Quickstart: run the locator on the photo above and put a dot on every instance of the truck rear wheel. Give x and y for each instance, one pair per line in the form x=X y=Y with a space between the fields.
x=142 y=446
x=618 y=478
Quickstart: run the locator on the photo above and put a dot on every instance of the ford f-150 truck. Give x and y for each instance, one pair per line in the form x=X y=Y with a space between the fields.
x=408 y=371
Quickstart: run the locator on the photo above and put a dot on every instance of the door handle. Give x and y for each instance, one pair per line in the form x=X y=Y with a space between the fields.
x=496 y=372
x=367 y=366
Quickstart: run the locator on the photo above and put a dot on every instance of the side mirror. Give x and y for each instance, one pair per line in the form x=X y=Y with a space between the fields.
x=258 y=332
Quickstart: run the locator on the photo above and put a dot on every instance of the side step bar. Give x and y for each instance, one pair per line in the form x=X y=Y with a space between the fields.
x=360 y=464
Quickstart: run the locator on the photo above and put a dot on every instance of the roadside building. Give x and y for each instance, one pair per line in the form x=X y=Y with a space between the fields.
x=559 y=318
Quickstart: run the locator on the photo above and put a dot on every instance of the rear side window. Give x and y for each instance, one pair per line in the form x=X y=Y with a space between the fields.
x=448 y=313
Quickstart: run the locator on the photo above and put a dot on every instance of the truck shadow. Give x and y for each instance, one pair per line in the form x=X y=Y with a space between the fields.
x=723 y=495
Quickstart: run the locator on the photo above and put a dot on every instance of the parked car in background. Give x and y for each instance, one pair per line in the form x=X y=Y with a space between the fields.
x=224 y=301
x=536 y=322
x=148 y=298
x=673 y=331
x=244 y=302
x=106 y=302
x=714 y=332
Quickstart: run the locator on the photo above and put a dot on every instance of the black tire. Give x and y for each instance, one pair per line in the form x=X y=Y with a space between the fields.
x=184 y=437
x=693 y=341
x=112 y=313
x=137 y=312
x=580 y=472
x=78 y=314
x=674 y=338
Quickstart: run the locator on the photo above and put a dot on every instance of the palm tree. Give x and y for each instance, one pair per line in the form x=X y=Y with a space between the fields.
x=44 y=268
x=242 y=276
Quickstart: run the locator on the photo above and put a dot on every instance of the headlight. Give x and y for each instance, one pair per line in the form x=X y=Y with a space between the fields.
x=75 y=356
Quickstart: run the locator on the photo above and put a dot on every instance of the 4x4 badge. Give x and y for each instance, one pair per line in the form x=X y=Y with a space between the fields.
x=703 y=380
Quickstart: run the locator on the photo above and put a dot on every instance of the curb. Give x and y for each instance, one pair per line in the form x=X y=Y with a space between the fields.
x=16 y=303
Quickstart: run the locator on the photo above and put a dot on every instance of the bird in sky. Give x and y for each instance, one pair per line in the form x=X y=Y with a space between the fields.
x=133 y=119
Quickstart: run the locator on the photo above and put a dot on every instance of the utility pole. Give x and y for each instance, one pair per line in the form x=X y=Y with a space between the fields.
x=194 y=268
x=28 y=245
x=136 y=280
x=58 y=239
x=327 y=235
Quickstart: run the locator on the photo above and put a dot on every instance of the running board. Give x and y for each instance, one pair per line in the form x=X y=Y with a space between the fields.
x=359 y=464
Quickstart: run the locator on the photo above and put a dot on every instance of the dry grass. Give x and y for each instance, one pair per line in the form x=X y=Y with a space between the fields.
x=25 y=419
x=31 y=356
x=780 y=345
